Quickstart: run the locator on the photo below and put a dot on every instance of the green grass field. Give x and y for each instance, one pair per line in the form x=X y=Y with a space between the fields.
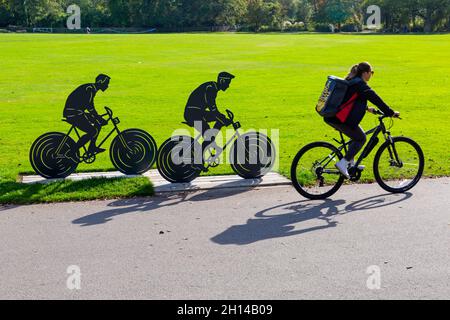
x=279 y=79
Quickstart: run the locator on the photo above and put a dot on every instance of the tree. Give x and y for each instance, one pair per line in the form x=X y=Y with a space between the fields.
x=119 y=13
x=94 y=13
x=304 y=11
x=228 y=12
x=260 y=13
x=334 y=11
x=37 y=12
x=433 y=12
x=432 y=15
x=289 y=8
x=5 y=13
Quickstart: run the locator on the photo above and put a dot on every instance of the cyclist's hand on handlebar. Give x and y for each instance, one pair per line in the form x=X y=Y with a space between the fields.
x=102 y=121
x=396 y=114
x=372 y=110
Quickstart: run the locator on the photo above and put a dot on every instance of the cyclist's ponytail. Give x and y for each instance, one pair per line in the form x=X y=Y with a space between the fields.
x=358 y=69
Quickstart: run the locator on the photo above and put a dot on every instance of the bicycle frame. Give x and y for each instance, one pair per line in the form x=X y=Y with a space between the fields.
x=236 y=125
x=109 y=114
x=381 y=128
x=212 y=159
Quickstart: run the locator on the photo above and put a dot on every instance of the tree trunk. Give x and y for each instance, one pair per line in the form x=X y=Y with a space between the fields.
x=428 y=26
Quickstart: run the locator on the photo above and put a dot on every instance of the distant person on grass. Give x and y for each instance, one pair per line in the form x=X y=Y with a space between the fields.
x=80 y=112
x=352 y=112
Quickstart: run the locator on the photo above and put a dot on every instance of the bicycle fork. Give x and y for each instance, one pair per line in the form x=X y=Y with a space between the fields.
x=395 y=160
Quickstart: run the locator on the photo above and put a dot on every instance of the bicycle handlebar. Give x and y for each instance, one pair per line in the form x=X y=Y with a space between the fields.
x=378 y=112
x=109 y=112
x=383 y=116
x=230 y=115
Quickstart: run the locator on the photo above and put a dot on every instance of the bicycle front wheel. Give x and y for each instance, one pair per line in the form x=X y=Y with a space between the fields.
x=313 y=172
x=133 y=152
x=398 y=166
x=252 y=155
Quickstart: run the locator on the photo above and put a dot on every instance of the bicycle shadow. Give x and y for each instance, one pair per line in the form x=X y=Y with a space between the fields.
x=225 y=190
x=127 y=206
x=283 y=220
x=376 y=202
x=139 y=205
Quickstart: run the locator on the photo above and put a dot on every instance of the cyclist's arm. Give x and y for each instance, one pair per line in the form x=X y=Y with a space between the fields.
x=210 y=100
x=374 y=98
x=90 y=105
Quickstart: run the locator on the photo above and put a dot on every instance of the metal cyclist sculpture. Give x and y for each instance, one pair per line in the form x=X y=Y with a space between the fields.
x=183 y=158
x=57 y=155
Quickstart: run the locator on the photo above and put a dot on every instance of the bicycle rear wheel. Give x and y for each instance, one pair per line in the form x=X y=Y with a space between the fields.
x=398 y=166
x=47 y=162
x=313 y=172
x=179 y=159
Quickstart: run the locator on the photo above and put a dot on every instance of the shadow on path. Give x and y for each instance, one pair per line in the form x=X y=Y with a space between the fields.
x=138 y=205
x=127 y=206
x=283 y=220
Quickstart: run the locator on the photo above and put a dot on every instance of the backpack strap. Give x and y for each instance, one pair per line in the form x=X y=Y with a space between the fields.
x=346 y=108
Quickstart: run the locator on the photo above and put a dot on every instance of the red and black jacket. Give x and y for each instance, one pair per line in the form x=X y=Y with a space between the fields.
x=354 y=108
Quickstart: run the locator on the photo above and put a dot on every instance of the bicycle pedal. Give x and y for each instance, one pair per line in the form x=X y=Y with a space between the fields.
x=355 y=174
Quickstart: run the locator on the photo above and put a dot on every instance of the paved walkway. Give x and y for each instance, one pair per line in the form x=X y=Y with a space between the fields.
x=242 y=243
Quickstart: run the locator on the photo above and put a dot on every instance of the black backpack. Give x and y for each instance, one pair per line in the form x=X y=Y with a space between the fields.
x=333 y=96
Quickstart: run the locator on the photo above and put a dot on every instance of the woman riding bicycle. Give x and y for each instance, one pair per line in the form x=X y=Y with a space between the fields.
x=352 y=112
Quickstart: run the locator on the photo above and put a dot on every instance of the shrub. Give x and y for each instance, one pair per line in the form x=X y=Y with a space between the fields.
x=294 y=27
x=322 y=27
x=351 y=27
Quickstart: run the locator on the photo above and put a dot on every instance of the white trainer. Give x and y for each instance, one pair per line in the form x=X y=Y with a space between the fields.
x=342 y=166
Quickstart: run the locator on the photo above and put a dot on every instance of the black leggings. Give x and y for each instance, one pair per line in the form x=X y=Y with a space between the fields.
x=357 y=135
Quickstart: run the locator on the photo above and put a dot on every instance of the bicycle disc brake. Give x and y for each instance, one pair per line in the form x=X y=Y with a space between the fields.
x=318 y=170
x=395 y=164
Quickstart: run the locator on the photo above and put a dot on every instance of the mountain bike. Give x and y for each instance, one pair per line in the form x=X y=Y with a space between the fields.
x=398 y=164
x=182 y=158
x=132 y=151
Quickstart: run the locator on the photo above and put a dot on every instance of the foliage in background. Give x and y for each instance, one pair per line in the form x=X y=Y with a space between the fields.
x=255 y=15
